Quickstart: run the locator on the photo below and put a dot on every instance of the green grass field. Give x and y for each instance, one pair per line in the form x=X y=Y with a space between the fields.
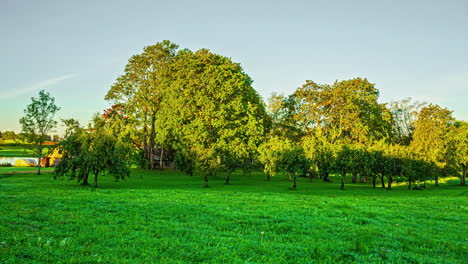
x=13 y=149
x=166 y=217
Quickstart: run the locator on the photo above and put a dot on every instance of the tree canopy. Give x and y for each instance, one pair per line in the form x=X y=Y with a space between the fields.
x=38 y=121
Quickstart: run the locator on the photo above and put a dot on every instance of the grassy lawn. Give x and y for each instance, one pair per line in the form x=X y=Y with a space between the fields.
x=22 y=169
x=166 y=217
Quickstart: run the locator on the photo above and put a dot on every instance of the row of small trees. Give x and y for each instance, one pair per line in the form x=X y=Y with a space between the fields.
x=316 y=158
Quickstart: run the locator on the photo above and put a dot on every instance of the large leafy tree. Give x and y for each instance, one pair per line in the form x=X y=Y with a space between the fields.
x=430 y=137
x=138 y=94
x=346 y=111
x=210 y=110
x=39 y=121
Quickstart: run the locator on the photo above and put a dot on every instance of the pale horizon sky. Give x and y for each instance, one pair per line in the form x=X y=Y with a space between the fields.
x=75 y=50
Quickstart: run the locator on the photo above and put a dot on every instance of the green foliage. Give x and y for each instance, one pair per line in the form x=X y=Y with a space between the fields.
x=8 y=135
x=184 y=162
x=430 y=136
x=137 y=95
x=270 y=154
x=39 y=121
x=294 y=162
x=456 y=151
x=319 y=152
x=95 y=152
x=5 y=164
x=345 y=111
x=152 y=219
x=211 y=110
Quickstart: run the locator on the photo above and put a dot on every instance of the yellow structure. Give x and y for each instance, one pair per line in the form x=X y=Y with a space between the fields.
x=52 y=158
x=26 y=162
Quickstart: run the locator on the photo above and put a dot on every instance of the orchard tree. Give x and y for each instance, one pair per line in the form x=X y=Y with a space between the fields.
x=319 y=152
x=39 y=121
x=343 y=162
x=293 y=161
x=270 y=154
x=95 y=151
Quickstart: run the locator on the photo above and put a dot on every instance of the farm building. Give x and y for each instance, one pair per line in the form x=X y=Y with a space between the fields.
x=52 y=158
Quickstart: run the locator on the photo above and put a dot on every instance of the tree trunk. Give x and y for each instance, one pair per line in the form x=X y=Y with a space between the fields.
x=373 y=181
x=161 y=164
x=39 y=165
x=326 y=177
x=436 y=178
x=354 y=179
x=311 y=175
x=463 y=176
x=382 y=181
x=85 y=180
x=151 y=143
x=145 y=140
x=206 y=181
x=389 y=185
x=409 y=185
x=228 y=177
x=343 y=175
x=95 y=179
x=39 y=158
x=294 y=182
x=268 y=176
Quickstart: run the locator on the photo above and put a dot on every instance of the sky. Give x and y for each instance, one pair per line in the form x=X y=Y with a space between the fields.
x=75 y=50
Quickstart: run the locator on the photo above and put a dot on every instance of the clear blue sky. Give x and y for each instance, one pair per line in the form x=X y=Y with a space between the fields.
x=76 y=49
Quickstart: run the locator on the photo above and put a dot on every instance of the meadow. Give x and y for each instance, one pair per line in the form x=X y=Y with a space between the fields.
x=166 y=217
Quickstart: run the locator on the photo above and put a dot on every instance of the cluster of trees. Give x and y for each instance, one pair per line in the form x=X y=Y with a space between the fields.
x=340 y=128
x=95 y=150
x=202 y=106
x=8 y=135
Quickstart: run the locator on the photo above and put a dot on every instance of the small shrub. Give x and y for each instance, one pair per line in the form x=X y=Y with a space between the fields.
x=6 y=164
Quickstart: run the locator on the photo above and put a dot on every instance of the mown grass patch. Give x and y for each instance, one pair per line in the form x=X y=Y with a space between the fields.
x=166 y=217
